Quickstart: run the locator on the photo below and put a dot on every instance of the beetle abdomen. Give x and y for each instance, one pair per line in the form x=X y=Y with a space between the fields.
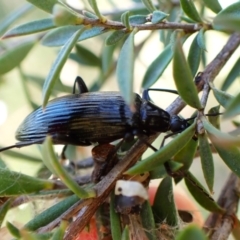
x=80 y=119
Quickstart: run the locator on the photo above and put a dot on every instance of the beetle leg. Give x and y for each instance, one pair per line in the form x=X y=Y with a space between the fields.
x=82 y=88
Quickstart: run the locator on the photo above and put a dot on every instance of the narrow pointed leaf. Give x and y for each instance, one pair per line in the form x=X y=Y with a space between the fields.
x=201 y=195
x=51 y=213
x=223 y=98
x=13 y=230
x=213 y=5
x=60 y=35
x=201 y=40
x=149 y=5
x=63 y=16
x=232 y=107
x=52 y=162
x=228 y=19
x=87 y=57
x=125 y=68
x=125 y=234
x=194 y=56
x=190 y=10
x=164 y=154
x=218 y=137
x=206 y=161
x=185 y=156
x=14 y=16
x=164 y=207
x=157 y=67
x=184 y=78
x=191 y=232
x=93 y=4
x=158 y=16
x=138 y=19
x=11 y=58
x=233 y=74
x=59 y=232
x=14 y=183
x=45 y=5
x=148 y=221
x=30 y=28
x=4 y=209
x=125 y=20
x=231 y=157
x=115 y=221
x=115 y=37
x=57 y=66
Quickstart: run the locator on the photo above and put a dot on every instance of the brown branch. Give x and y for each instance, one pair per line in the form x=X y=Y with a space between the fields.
x=115 y=25
x=219 y=226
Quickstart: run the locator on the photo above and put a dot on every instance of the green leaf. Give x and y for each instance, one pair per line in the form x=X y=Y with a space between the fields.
x=149 y=5
x=218 y=137
x=148 y=221
x=191 y=232
x=12 y=57
x=185 y=156
x=52 y=163
x=107 y=58
x=231 y=156
x=115 y=221
x=164 y=207
x=194 y=56
x=223 y=144
x=138 y=19
x=213 y=5
x=60 y=35
x=125 y=69
x=30 y=28
x=14 y=16
x=184 y=79
x=164 y=154
x=4 y=209
x=13 y=230
x=228 y=19
x=62 y=15
x=158 y=16
x=201 y=39
x=59 y=232
x=115 y=37
x=51 y=213
x=45 y=5
x=206 y=160
x=232 y=107
x=125 y=234
x=125 y=20
x=157 y=67
x=86 y=57
x=93 y=4
x=190 y=10
x=232 y=75
x=14 y=183
x=57 y=66
x=223 y=98
x=201 y=195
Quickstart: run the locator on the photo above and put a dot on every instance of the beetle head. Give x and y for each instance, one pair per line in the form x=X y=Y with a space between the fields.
x=178 y=124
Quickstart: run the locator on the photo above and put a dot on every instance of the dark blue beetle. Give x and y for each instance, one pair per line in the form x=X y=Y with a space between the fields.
x=94 y=117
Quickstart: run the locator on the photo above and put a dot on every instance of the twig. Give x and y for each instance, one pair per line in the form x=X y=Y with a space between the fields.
x=219 y=226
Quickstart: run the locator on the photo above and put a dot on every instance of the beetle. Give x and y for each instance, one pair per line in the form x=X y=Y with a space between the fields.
x=87 y=117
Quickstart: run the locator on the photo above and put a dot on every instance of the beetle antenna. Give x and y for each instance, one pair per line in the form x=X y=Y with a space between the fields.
x=20 y=144
x=209 y=114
